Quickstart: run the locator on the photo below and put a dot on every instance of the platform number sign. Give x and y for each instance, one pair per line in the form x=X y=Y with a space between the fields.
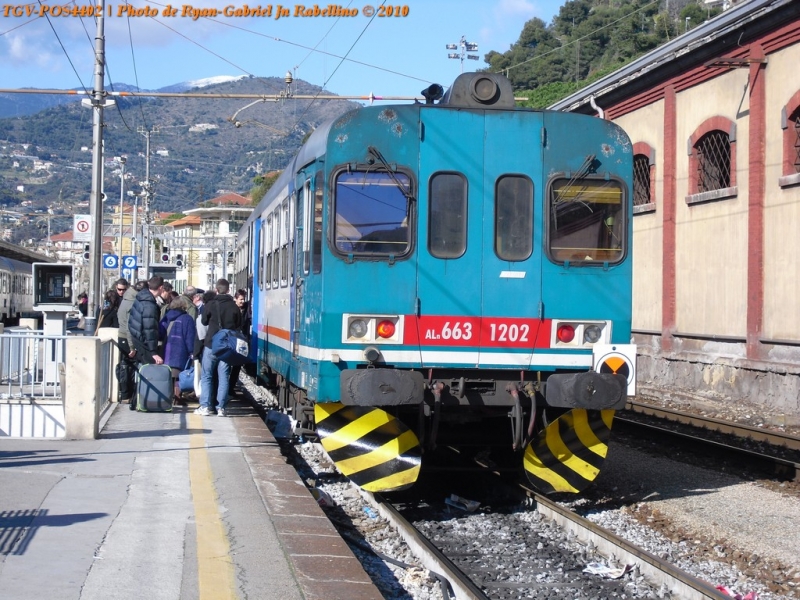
x=129 y=262
x=110 y=261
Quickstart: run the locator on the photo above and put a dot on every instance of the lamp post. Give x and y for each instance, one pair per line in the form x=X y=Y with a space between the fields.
x=465 y=47
x=122 y=161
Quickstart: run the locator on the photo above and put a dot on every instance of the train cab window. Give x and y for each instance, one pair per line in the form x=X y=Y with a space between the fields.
x=587 y=221
x=372 y=213
x=513 y=218
x=447 y=216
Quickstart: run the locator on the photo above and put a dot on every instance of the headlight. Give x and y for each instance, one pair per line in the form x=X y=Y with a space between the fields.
x=357 y=328
x=592 y=333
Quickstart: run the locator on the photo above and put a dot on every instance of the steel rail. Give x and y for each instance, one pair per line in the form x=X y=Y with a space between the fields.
x=658 y=571
x=776 y=438
x=431 y=557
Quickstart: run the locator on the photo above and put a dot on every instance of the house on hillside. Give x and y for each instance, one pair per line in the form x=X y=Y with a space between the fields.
x=204 y=239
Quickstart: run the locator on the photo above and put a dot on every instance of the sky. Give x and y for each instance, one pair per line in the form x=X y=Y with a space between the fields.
x=354 y=55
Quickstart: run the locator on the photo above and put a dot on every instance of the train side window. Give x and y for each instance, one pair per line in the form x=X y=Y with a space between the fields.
x=447 y=215
x=319 y=195
x=513 y=217
x=305 y=236
x=372 y=213
x=285 y=228
x=266 y=244
x=276 y=246
x=586 y=223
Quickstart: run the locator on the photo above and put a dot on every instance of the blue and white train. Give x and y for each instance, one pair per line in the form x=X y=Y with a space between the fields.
x=16 y=290
x=459 y=261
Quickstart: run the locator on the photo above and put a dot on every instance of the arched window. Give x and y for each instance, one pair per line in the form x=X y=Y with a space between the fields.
x=790 y=123
x=712 y=161
x=644 y=180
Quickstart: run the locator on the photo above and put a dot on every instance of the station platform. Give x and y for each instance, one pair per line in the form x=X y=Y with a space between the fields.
x=167 y=506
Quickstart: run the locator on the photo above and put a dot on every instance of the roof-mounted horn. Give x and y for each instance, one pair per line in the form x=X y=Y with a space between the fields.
x=480 y=90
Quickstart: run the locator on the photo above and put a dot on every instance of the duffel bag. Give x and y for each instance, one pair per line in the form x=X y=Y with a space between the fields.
x=186 y=377
x=230 y=346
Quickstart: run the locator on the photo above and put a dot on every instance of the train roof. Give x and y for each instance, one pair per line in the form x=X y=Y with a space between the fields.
x=15 y=266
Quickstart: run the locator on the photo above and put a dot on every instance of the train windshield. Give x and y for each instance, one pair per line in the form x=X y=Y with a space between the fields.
x=587 y=221
x=372 y=213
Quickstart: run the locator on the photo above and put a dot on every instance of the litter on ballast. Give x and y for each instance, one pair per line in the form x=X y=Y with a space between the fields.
x=462 y=503
x=606 y=571
x=735 y=596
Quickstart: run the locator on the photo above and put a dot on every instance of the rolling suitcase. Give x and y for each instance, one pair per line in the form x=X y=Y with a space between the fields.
x=154 y=388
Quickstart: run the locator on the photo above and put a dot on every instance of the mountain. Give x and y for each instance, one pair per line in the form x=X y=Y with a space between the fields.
x=195 y=150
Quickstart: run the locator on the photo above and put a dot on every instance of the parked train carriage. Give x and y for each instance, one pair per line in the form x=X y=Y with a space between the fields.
x=16 y=290
x=461 y=261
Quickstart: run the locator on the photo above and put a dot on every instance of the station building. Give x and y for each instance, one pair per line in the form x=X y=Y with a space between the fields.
x=714 y=120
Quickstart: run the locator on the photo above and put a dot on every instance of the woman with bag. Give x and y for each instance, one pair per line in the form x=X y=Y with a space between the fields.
x=177 y=328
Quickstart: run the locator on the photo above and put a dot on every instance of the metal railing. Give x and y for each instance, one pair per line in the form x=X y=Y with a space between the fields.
x=29 y=364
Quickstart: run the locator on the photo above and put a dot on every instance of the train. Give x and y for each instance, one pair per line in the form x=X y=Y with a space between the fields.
x=458 y=262
x=16 y=290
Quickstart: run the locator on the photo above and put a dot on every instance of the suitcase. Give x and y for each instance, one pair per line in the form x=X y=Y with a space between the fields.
x=154 y=388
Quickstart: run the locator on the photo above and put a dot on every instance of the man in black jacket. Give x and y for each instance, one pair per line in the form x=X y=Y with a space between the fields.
x=220 y=313
x=143 y=322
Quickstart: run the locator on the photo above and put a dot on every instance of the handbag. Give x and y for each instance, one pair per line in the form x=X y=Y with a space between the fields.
x=230 y=346
x=186 y=377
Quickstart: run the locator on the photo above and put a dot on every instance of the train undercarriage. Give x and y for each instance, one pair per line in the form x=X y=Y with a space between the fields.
x=389 y=419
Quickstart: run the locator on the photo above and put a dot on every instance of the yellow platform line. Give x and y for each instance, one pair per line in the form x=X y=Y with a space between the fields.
x=216 y=579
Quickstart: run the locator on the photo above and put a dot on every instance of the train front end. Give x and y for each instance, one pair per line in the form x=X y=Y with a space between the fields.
x=478 y=268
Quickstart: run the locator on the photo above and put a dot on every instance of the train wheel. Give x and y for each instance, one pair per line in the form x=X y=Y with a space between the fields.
x=568 y=454
x=370 y=446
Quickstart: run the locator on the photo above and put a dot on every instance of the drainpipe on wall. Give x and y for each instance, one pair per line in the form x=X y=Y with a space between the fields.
x=599 y=110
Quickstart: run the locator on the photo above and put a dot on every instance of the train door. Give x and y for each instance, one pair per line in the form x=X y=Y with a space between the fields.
x=478 y=280
x=512 y=231
x=304 y=227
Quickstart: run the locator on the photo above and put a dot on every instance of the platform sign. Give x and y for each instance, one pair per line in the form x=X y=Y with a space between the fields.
x=129 y=274
x=110 y=261
x=128 y=262
x=82 y=228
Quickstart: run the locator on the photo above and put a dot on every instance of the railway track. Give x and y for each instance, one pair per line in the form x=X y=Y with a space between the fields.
x=566 y=541
x=772 y=452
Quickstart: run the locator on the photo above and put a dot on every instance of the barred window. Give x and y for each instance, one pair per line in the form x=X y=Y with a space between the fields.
x=713 y=161
x=796 y=123
x=641 y=180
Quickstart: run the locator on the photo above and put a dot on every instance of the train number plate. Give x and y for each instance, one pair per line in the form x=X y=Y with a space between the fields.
x=473 y=331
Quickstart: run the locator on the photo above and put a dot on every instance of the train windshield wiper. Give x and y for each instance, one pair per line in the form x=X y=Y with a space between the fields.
x=390 y=172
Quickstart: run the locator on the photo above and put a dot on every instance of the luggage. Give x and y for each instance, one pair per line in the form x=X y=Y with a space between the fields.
x=230 y=346
x=126 y=377
x=154 y=388
x=186 y=377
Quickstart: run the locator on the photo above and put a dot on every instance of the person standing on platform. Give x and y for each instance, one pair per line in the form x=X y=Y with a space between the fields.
x=220 y=313
x=240 y=298
x=178 y=331
x=127 y=372
x=143 y=322
x=189 y=294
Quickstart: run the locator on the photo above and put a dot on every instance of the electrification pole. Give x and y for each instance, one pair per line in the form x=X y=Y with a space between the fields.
x=122 y=161
x=465 y=47
x=97 y=103
x=148 y=198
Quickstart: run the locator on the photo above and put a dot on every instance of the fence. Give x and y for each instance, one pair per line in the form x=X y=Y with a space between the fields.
x=55 y=386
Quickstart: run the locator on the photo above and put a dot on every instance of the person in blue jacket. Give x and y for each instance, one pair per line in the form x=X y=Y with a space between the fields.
x=177 y=329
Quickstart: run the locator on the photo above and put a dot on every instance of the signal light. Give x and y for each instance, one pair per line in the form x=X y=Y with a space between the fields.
x=179 y=260
x=385 y=329
x=565 y=333
x=164 y=254
x=86 y=251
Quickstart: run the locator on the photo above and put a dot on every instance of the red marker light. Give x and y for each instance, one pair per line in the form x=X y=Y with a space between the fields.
x=565 y=333
x=385 y=329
